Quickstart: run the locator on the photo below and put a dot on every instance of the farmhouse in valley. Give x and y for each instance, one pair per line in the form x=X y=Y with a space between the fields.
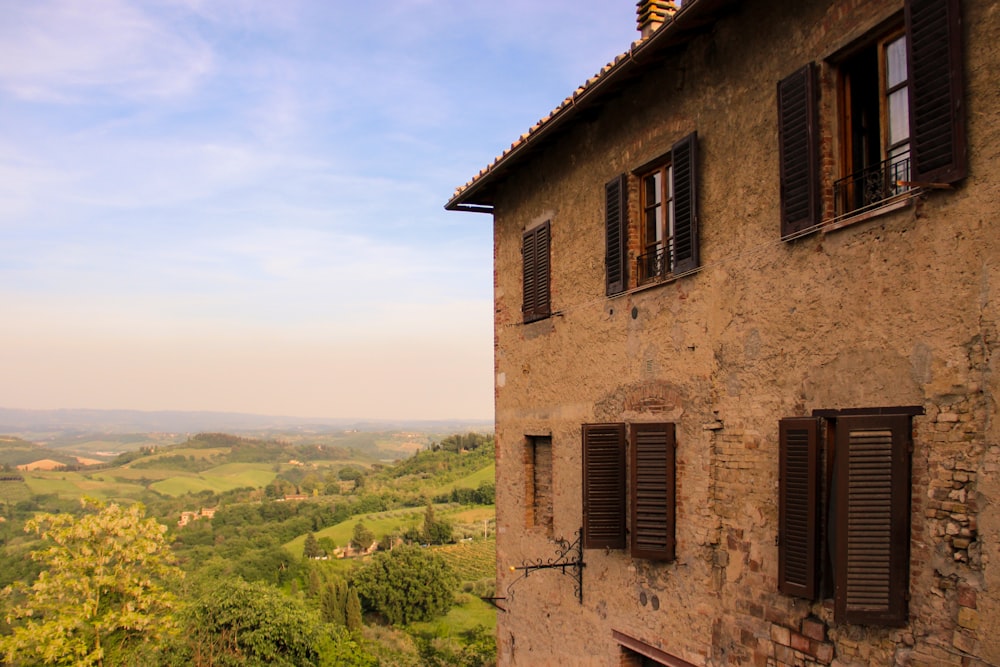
x=746 y=336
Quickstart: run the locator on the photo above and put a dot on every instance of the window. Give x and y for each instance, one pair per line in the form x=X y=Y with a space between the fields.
x=875 y=126
x=538 y=477
x=900 y=121
x=668 y=229
x=845 y=483
x=657 y=196
x=650 y=492
x=536 y=304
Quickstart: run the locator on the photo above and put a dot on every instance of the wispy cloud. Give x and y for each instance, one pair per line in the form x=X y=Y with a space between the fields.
x=66 y=51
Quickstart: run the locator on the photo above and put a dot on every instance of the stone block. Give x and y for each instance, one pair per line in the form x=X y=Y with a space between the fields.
x=967 y=596
x=800 y=643
x=824 y=653
x=965 y=643
x=968 y=618
x=814 y=629
x=784 y=655
x=781 y=635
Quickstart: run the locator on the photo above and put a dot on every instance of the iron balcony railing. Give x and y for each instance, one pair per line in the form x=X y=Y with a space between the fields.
x=873 y=186
x=655 y=265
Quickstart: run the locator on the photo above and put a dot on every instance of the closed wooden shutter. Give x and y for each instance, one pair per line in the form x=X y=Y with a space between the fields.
x=684 y=157
x=798 y=506
x=616 y=231
x=652 y=491
x=604 y=486
x=873 y=519
x=937 y=119
x=535 y=254
x=798 y=142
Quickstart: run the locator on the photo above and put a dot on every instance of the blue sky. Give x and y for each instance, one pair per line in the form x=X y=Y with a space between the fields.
x=237 y=205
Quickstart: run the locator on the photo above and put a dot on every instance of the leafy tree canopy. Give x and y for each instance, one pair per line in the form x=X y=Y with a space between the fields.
x=254 y=624
x=406 y=584
x=101 y=595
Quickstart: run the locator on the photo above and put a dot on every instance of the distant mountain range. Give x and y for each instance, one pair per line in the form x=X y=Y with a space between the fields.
x=30 y=422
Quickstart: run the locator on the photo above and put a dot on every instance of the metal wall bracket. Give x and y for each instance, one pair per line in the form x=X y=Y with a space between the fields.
x=568 y=560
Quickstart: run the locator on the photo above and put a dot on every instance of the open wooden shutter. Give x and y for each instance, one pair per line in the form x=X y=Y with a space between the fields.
x=535 y=254
x=798 y=506
x=616 y=231
x=604 y=486
x=684 y=157
x=798 y=142
x=873 y=519
x=937 y=119
x=652 y=491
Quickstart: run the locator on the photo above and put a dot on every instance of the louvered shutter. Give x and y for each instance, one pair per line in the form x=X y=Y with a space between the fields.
x=798 y=142
x=684 y=157
x=604 y=486
x=872 y=520
x=798 y=506
x=937 y=118
x=615 y=216
x=535 y=255
x=652 y=491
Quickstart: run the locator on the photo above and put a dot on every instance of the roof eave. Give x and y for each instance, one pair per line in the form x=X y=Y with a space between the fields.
x=694 y=15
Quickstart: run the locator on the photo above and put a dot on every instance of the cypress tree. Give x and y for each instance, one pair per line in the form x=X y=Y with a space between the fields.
x=353 y=615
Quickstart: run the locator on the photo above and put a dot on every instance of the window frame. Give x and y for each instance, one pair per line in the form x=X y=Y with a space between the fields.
x=682 y=256
x=656 y=257
x=870 y=179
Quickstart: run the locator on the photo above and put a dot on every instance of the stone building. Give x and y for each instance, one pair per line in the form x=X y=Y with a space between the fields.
x=745 y=335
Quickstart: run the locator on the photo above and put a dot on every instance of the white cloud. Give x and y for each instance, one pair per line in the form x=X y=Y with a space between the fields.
x=68 y=51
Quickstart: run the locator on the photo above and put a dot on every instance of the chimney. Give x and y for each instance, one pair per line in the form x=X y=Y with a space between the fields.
x=652 y=14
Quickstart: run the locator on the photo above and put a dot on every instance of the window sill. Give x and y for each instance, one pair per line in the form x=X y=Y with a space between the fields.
x=654 y=284
x=855 y=217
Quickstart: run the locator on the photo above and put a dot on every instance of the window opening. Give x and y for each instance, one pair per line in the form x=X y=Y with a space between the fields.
x=656 y=261
x=538 y=460
x=876 y=126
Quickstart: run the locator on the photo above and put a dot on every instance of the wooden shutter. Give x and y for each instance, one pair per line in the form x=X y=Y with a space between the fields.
x=798 y=506
x=798 y=142
x=604 y=486
x=872 y=519
x=684 y=157
x=616 y=230
x=652 y=491
x=937 y=119
x=535 y=252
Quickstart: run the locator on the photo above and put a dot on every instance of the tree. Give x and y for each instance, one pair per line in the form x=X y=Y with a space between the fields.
x=101 y=594
x=327 y=545
x=311 y=548
x=436 y=531
x=333 y=601
x=340 y=649
x=354 y=621
x=406 y=584
x=363 y=537
x=238 y=623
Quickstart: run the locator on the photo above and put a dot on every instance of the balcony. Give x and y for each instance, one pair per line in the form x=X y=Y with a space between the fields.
x=656 y=265
x=873 y=187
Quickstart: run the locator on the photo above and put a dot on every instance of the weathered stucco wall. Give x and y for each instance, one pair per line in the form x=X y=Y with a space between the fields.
x=897 y=310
